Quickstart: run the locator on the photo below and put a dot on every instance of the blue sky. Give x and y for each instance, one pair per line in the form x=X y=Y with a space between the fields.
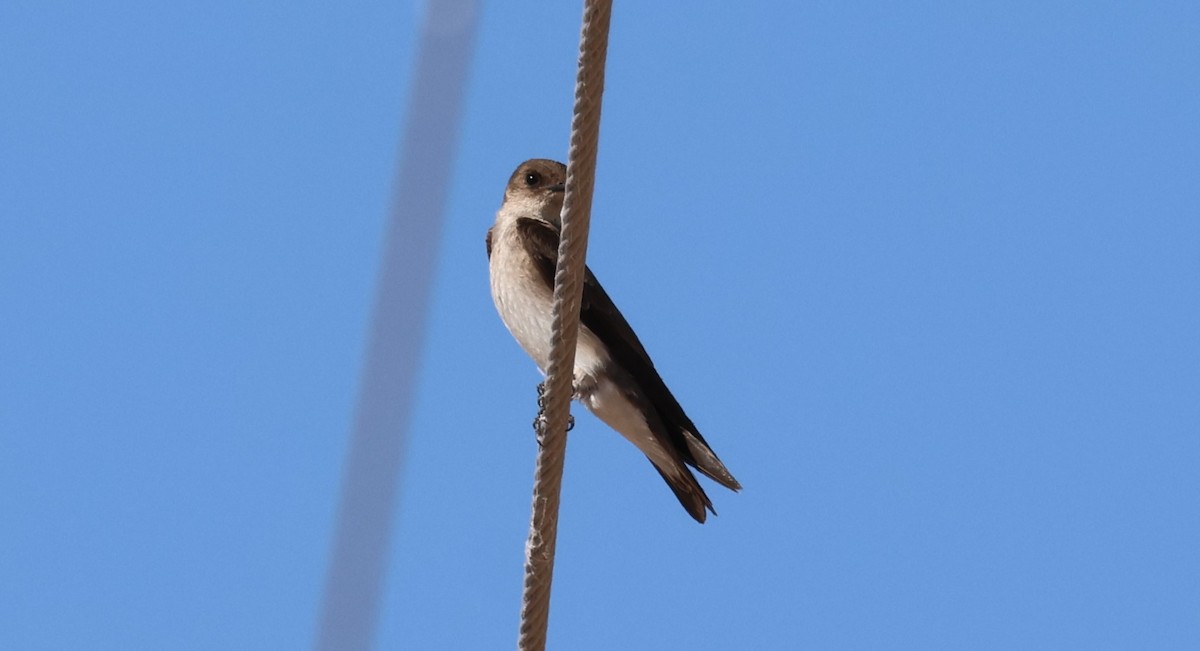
x=924 y=274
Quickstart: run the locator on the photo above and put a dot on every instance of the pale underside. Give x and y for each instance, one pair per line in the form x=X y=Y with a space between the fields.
x=524 y=302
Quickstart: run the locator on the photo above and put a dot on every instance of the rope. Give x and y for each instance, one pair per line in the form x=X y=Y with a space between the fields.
x=568 y=290
x=374 y=463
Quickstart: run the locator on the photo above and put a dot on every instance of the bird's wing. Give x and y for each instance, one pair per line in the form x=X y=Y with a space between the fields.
x=600 y=315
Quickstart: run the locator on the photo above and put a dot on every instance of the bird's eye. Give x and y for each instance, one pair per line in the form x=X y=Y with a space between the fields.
x=532 y=179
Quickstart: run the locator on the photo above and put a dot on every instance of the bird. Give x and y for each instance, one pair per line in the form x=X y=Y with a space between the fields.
x=614 y=377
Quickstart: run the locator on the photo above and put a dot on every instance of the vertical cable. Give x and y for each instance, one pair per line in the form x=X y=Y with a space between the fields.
x=568 y=290
x=358 y=561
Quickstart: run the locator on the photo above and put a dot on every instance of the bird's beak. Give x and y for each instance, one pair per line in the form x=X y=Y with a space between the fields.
x=557 y=188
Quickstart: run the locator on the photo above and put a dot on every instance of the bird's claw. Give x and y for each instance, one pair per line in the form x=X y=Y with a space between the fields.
x=540 y=420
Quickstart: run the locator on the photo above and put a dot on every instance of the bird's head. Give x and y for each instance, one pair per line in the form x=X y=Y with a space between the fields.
x=536 y=188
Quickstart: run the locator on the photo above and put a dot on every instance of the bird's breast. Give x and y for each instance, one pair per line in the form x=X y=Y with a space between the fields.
x=525 y=304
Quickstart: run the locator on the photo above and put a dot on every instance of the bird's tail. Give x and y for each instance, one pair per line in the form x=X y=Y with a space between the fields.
x=683 y=483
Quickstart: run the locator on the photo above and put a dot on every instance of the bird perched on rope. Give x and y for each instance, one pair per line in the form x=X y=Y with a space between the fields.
x=614 y=377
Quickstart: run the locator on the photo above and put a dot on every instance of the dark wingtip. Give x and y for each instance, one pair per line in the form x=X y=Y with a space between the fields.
x=706 y=461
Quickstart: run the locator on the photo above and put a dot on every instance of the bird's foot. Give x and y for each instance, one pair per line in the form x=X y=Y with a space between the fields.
x=539 y=421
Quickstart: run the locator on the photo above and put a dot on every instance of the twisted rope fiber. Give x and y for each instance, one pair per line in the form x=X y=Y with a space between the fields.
x=568 y=289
